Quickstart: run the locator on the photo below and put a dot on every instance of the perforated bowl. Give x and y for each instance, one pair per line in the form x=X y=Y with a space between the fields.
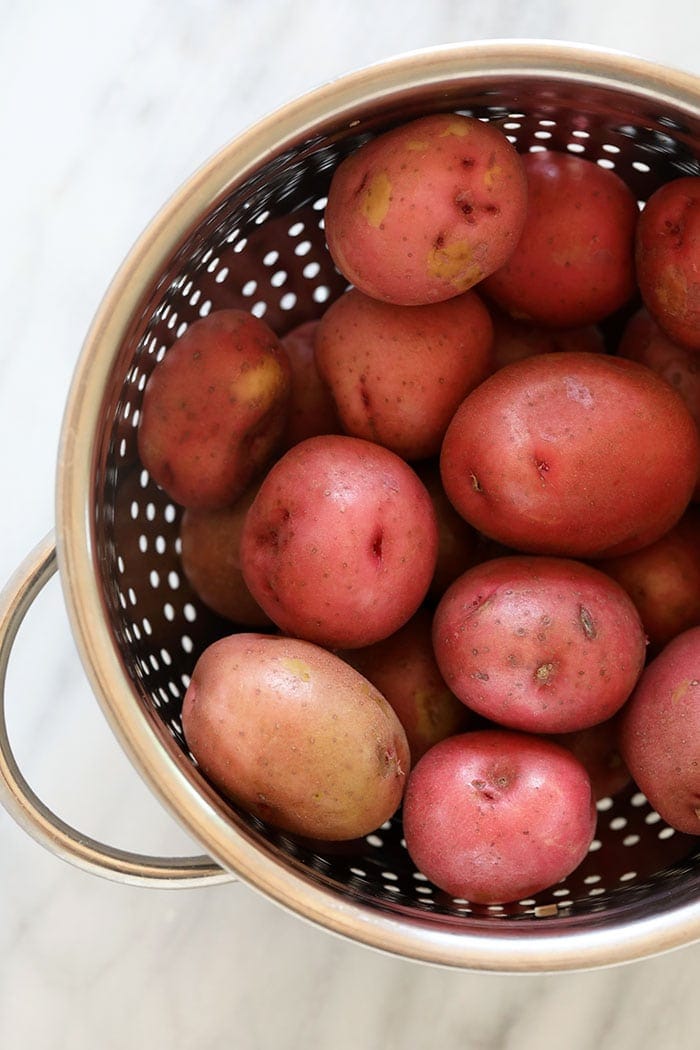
x=247 y=231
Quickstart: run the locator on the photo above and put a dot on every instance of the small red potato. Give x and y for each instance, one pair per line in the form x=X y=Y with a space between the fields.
x=339 y=546
x=403 y=669
x=214 y=409
x=660 y=733
x=574 y=454
x=425 y=211
x=574 y=263
x=210 y=554
x=311 y=409
x=643 y=341
x=513 y=340
x=546 y=645
x=295 y=736
x=598 y=750
x=667 y=259
x=494 y=816
x=663 y=580
x=398 y=373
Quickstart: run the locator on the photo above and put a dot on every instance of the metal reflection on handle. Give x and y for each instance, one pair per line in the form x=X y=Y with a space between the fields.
x=24 y=805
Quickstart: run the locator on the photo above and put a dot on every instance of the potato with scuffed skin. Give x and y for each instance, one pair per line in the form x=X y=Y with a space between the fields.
x=543 y=645
x=295 y=736
x=426 y=210
x=398 y=373
x=214 y=409
x=667 y=258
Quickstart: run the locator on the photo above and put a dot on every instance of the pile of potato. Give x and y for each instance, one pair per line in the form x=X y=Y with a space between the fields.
x=451 y=524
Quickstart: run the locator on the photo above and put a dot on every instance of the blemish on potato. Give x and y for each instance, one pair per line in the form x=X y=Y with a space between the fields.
x=417 y=145
x=544 y=673
x=454 y=263
x=298 y=668
x=579 y=392
x=259 y=386
x=460 y=128
x=679 y=692
x=492 y=174
x=466 y=207
x=586 y=621
x=376 y=199
x=376 y=545
x=542 y=468
x=672 y=290
x=476 y=485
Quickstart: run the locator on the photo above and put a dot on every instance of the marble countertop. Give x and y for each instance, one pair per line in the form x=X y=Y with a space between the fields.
x=105 y=109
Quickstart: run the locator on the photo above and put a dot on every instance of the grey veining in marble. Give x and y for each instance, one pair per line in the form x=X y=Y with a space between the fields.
x=104 y=110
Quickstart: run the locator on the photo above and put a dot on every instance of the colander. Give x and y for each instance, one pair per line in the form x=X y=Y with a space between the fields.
x=247 y=231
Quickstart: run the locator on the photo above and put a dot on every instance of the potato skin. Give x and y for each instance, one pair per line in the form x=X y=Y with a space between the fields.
x=459 y=545
x=660 y=730
x=214 y=409
x=295 y=736
x=398 y=373
x=642 y=340
x=574 y=262
x=311 y=408
x=545 y=645
x=339 y=546
x=573 y=454
x=598 y=749
x=403 y=669
x=663 y=580
x=666 y=253
x=494 y=816
x=514 y=340
x=210 y=555
x=424 y=211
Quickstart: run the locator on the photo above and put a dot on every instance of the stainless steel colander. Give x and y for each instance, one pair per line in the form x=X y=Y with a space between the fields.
x=247 y=230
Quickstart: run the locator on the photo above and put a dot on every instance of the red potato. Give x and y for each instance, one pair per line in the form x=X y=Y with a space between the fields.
x=210 y=554
x=311 y=409
x=668 y=259
x=295 y=736
x=598 y=750
x=514 y=340
x=423 y=212
x=573 y=454
x=495 y=816
x=403 y=669
x=643 y=341
x=663 y=580
x=214 y=409
x=574 y=263
x=545 y=645
x=398 y=373
x=660 y=733
x=339 y=546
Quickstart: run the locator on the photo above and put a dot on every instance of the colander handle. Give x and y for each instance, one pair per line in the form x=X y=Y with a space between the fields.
x=25 y=806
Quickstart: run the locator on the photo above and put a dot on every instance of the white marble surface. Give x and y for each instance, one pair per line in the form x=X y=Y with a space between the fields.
x=104 y=110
